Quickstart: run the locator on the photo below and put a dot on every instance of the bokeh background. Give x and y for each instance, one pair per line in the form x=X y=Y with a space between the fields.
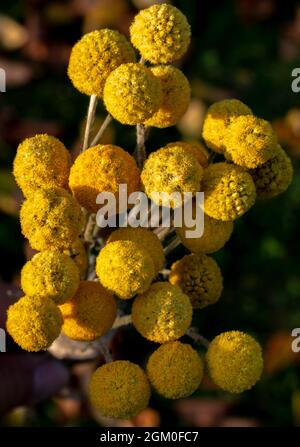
x=244 y=49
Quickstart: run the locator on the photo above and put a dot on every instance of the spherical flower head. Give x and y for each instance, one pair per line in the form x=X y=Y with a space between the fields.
x=176 y=94
x=132 y=94
x=171 y=170
x=125 y=268
x=218 y=118
x=250 y=141
x=34 y=323
x=161 y=33
x=119 y=389
x=95 y=56
x=51 y=218
x=41 y=162
x=146 y=239
x=175 y=370
x=234 y=361
x=229 y=191
x=102 y=168
x=215 y=235
x=90 y=314
x=274 y=176
x=77 y=253
x=163 y=313
x=194 y=148
x=200 y=277
x=50 y=274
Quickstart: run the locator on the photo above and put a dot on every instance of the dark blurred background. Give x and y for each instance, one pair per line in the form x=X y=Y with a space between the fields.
x=244 y=49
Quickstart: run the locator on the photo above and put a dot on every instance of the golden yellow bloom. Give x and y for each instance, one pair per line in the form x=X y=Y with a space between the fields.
x=175 y=370
x=161 y=33
x=132 y=94
x=119 y=389
x=250 y=141
x=91 y=312
x=215 y=235
x=200 y=277
x=77 y=253
x=125 y=268
x=95 y=56
x=163 y=313
x=229 y=191
x=171 y=170
x=176 y=94
x=102 y=168
x=51 y=219
x=50 y=274
x=41 y=162
x=234 y=361
x=146 y=239
x=219 y=116
x=34 y=322
x=274 y=176
x=197 y=149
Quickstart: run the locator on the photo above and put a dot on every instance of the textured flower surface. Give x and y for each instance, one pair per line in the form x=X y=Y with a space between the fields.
x=163 y=313
x=144 y=237
x=199 y=276
x=176 y=93
x=119 y=389
x=274 y=176
x=77 y=253
x=102 y=168
x=219 y=116
x=95 y=56
x=234 y=361
x=125 y=268
x=91 y=312
x=175 y=370
x=51 y=274
x=171 y=170
x=51 y=219
x=132 y=93
x=41 y=161
x=34 y=322
x=197 y=149
x=161 y=33
x=229 y=191
x=250 y=141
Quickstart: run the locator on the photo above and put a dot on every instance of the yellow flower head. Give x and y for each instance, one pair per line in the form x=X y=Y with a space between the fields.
x=229 y=191
x=146 y=239
x=119 y=389
x=34 y=322
x=161 y=33
x=95 y=56
x=50 y=274
x=102 y=168
x=125 y=268
x=197 y=149
x=175 y=370
x=274 y=176
x=77 y=253
x=132 y=94
x=41 y=162
x=163 y=313
x=200 y=277
x=215 y=235
x=234 y=361
x=176 y=93
x=250 y=141
x=218 y=117
x=171 y=170
x=90 y=314
x=51 y=219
